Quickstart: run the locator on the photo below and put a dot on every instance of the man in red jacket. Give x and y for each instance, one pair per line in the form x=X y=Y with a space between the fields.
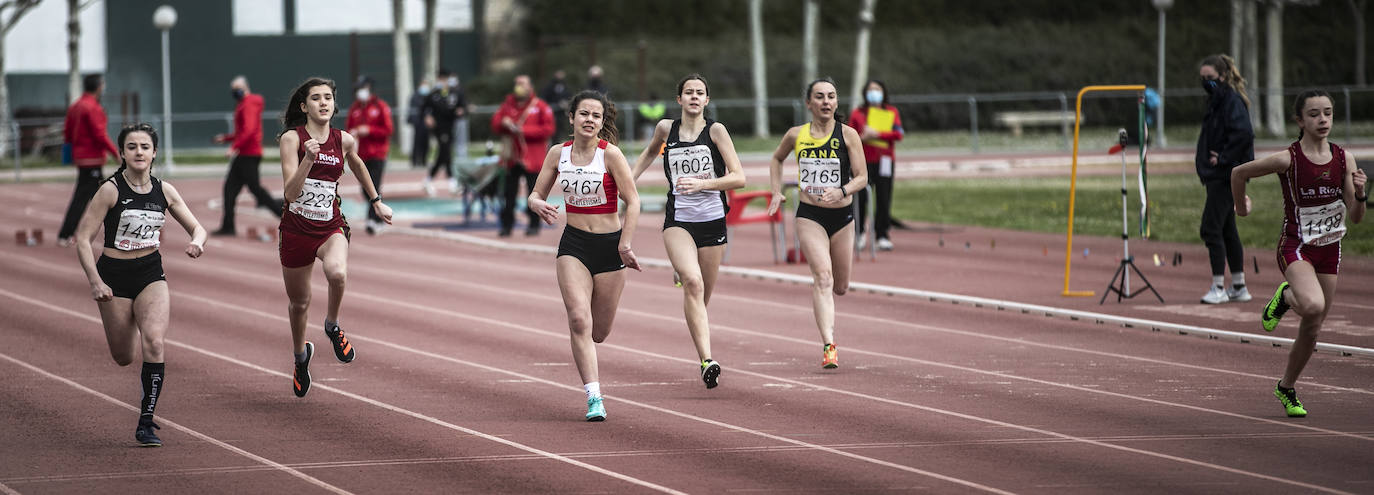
x=525 y=124
x=245 y=148
x=369 y=121
x=84 y=134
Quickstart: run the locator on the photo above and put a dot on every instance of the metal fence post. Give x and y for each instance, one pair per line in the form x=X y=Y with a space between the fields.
x=1064 y=120
x=797 y=112
x=973 y=122
x=14 y=128
x=1346 y=90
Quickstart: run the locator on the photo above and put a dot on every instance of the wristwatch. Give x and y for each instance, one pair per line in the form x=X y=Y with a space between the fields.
x=376 y=199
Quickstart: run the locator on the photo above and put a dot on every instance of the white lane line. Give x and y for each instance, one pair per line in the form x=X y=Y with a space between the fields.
x=932 y=296
x=969 y=417
x=342 y=392
x=807 y=309
x=275 y=465
x=361 y=338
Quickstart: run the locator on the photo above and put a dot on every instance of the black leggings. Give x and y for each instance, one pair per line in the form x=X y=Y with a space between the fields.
x=510 y=188
x=882 y=215
x=444 y=157
x=243 y=171
x=375 y=169
x=1218 y=229
x=87 y=183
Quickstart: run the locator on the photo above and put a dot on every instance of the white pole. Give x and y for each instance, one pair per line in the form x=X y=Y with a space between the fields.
x=760 y=74
x=861 y=54
x=809 y=21
x=167 y=103
x=1159 y=116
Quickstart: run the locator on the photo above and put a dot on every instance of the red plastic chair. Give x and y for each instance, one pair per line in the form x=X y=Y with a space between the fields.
x=738 y=202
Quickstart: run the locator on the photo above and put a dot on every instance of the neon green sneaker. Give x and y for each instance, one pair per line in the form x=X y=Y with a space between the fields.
x=1269 y=318
x=1289 y=398
x=595 y=410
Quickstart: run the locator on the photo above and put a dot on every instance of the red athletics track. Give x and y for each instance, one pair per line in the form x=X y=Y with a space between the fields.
x=464 y=381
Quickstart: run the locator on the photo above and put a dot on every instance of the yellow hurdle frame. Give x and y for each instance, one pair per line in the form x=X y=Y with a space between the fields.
x=1073 y=179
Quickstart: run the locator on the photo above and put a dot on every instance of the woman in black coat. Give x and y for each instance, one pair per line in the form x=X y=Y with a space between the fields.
x=1226 y=141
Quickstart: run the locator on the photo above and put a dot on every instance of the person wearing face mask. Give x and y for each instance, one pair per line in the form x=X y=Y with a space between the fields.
x=1226 y=140
x=556 y=95
x=419 y=149
x=245 y=150
x=880 y=126
x=442 y=109
x=525 y=124
x=369 y=120
x=595 y=82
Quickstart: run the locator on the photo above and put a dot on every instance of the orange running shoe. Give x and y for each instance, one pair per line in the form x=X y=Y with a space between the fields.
x=343 y=349
x=830 y=357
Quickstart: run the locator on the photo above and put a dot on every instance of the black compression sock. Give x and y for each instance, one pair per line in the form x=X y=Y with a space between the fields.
x=152 y=387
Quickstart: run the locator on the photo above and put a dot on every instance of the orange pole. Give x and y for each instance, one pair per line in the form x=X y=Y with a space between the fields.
x=1073 y=179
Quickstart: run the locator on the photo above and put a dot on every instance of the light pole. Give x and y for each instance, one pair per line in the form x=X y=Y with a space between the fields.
x=1161 y=6
x=164 y=18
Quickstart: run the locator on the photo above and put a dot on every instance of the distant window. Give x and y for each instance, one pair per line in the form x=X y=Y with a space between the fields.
x=371 y=16
x=259 y=17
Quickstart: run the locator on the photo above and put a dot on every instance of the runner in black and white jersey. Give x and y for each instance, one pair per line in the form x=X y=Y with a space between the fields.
x=700 y=163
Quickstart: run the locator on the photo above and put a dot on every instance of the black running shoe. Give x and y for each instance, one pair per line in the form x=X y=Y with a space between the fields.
x=710 y=373
x=144 y=434
x=300 y=381
x=343 y=349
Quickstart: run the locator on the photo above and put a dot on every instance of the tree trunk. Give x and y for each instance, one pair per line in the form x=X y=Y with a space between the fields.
x=400 y=46
x=1237 y=28
x=13 y=10
x=809 y=21
x=1273 y=98
x=431 y=42
x=73 y=50
x=1357 y=10
x=760 y=74
x=1249 y=67
x=861 y=54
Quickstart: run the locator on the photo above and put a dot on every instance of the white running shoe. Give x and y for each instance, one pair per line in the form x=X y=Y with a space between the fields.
x=1215 y=296
x=429 y=188
x=1241 y=295
x=884 y=244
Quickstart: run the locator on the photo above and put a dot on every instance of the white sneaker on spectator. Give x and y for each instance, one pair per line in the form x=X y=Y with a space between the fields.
x=1215 y=296
x=429 y=188
x=453 y=185
x=1241 y=295
x=863 y=241
x=884 y=244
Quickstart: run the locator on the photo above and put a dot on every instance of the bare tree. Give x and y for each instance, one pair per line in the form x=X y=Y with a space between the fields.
x=861 y=53
x=1357 y=9
x=760 y=73
x=1237 y=27
x=1249 y=61
x=10 y=13
x=1273 y=65
x=74 y=8
x=431 y=41
x=400 y=46
x=809 y=21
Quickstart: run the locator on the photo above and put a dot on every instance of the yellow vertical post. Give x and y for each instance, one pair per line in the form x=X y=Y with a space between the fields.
x=1073 y=179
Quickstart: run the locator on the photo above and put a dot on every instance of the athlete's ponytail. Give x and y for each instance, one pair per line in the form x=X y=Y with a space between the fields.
x=1301 y=101
x=609 y=132
x=124 y=133
x=294 y=116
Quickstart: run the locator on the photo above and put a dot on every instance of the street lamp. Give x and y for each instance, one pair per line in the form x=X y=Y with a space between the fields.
x=1161 y=6
x=164 y=18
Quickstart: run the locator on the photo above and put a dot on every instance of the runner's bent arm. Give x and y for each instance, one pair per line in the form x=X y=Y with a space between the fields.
x=359 y=168
x=547 y=174
x=101 y=203
x=293 y=170
x=651 y=150
x=619 y=169
x=1354 y=188
x=188 y=221
x=788 y=142
x=1272 y=164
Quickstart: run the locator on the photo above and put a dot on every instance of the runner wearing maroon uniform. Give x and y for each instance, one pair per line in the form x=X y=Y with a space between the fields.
x=312 y=160
x=127 y=282
x=595 y=248
x=1322 y=187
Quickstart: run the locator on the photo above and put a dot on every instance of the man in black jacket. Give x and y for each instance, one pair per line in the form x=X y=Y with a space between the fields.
x=1226 y=140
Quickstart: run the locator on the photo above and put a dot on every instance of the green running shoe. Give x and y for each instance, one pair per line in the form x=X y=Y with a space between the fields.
x=595 y=410
x=1269 y=318
x=1289 y=398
